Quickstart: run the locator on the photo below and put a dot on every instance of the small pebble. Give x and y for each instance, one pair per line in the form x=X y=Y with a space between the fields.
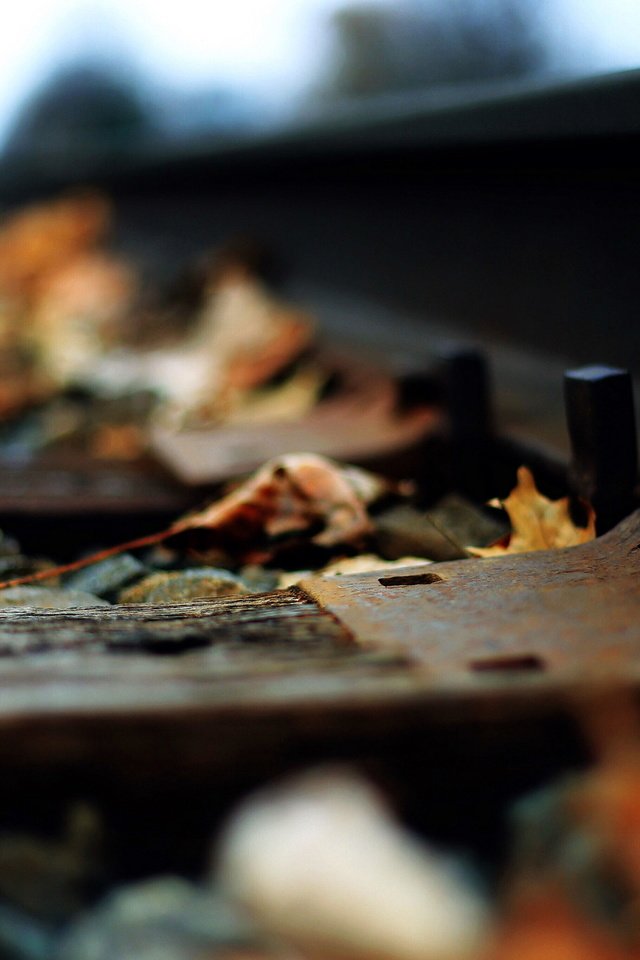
x=162 y=557
x=166 y=917
x=259 y=579
x=22 y=937
x=108 y=576
x=46 y=598
x=17 y=565
x=437 y=534
x=52 y=878
x=8 y=546
x=184 y=585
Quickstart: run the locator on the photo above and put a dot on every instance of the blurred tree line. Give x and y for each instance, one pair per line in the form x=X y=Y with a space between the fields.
x=81 y=104
x=399 y=46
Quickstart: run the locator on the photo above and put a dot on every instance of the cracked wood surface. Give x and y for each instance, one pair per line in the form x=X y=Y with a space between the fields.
x=169 y=628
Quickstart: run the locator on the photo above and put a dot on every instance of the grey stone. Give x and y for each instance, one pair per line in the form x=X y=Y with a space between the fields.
x=8 y=546
x=184 y=585
x=52 y=879
x=441 y=533
x=17 y=565
x=163 y=557
x=162 y=919
x=258 y=579
x=108 y=576
x=48 y=598
x=22 y=937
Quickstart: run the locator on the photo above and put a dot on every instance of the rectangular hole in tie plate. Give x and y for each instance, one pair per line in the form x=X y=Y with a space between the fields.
x=527 y=662
x=409 y=579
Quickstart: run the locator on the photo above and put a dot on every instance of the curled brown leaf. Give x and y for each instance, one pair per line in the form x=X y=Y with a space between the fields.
x=296 y=495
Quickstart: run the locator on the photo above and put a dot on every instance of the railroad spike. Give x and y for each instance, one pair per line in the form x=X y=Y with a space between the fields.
x=467 y=394
x=602 y=431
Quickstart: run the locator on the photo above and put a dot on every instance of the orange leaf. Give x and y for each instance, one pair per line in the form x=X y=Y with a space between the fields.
x=537 y=523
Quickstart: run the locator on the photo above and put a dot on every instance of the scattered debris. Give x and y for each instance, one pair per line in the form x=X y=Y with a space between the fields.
x=63 y=298
x=66 y=305
x=292 y=497
x=242 y=339
x=316 y=866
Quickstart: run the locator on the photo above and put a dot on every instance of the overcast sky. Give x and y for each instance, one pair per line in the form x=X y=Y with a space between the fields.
x=270 y=46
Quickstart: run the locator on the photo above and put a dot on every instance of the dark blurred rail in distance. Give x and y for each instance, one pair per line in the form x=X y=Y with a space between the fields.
x=511 y=216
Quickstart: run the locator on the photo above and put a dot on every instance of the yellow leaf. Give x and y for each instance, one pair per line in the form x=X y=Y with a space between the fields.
x=537 y=523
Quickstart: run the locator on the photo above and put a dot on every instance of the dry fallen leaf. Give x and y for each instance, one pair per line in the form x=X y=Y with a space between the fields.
x=286 y=402
x=78 y=315
x=362 y=563
x=243 y=338
x=296 y=495
x=543 y=924
x=59 y=296
x=537 y=523
x=41 y=238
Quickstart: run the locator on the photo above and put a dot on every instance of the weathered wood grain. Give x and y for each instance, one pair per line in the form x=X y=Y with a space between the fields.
x=170 y=628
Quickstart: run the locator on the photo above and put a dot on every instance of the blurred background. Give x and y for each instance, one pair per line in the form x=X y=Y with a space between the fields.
x=115 y=76
x=466 y=167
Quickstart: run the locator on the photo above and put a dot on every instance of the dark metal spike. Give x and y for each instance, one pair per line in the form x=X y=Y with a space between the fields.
x=602 y=431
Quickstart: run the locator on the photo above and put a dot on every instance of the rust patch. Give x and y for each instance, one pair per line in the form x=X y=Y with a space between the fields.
x=564 y=612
